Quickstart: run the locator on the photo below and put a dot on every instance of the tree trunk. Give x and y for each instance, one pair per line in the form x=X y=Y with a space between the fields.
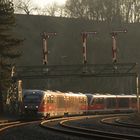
x=1 y=100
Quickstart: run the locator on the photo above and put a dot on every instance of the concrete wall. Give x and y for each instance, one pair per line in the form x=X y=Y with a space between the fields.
x=66 y=47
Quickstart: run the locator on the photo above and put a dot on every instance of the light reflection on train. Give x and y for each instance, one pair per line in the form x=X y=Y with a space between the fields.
x=55 y=103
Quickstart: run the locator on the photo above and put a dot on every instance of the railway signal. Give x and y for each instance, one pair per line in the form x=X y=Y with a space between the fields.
x=45 y=37
x=114 y=46
x=84 y=40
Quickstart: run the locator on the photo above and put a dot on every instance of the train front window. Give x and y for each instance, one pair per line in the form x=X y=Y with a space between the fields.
x=32 y=97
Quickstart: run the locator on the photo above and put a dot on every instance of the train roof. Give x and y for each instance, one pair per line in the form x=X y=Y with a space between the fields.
x=32 y=91
x=49 y=92
x=111 y=96
x=75 y=94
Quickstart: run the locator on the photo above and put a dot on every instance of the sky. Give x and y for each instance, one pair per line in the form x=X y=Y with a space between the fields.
x=45 y=2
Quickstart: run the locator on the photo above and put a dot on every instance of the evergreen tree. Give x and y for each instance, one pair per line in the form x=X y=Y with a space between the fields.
x=9 y=45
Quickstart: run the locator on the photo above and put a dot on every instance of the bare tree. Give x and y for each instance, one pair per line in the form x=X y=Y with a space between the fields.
x=104 y=10
x=25 y=6
x=53 y=10
x=76 y=8
x=61 y=11
x=28 y=7
x=136 y=11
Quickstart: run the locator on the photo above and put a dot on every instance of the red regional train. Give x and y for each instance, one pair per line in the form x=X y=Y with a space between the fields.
x=55 y=103
x=50 y=104
x=111 y=103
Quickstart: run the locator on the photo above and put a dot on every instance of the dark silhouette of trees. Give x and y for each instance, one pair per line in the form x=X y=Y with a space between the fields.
x=9 y=45
x=104 y=10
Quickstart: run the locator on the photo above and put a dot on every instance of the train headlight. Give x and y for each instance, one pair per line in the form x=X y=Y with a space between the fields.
x=36 y=106
x=25 y=106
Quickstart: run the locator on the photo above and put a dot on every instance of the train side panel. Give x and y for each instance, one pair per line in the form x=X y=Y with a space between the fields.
x=61 y=104
x=111 y=103
x=76 y=104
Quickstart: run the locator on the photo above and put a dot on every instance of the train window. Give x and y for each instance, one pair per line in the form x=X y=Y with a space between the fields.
x=44 y=102
x=133 y=100
x=123 y=102
x=32 y=97
x=99 y=101
x=110 y=102
x=89 y=99
x=61 y=102
x=92 y=102
x=50 y=99
x=81 y=100
x=85 y=101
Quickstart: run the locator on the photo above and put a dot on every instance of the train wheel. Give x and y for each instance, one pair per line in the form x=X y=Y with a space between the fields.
x=66 y=114
x=47 y=116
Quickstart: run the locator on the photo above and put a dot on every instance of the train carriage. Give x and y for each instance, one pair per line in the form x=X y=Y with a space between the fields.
x=111 y=103
x=53 y=103
x=101 y=103
x=31 y=101
x=126 y=102
x=76 y=103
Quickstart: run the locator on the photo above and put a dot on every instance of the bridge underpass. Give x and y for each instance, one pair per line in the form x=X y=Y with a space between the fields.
x=89 y=77
x=120 y=78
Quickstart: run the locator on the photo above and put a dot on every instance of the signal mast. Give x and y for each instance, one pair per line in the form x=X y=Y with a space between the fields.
x=114 y=46
x=45 y=37
x=84 y=40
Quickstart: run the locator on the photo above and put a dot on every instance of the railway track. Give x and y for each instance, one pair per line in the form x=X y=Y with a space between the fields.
x=119 y=122
x=8 y=125
x=63 y=126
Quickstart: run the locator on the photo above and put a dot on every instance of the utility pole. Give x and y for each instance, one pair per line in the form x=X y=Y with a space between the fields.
x=84 y=41
x=137 y=93
x=45 y=37
x=1 y=96
x=114 y=46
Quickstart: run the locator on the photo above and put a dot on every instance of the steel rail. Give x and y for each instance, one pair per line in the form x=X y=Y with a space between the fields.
x=105 y=135
x=5 y=126
x=61 y=126
x=119 y=122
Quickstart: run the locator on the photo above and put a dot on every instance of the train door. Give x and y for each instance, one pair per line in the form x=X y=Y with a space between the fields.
x=50 y=105
x=123 y=103
x=97 y=104
x=111 y=104
x=75 y=106
x=60 y=105
x=83 y=104
x=133 y=102
x=72 y=105
x=67 y=105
